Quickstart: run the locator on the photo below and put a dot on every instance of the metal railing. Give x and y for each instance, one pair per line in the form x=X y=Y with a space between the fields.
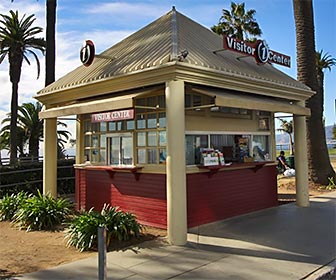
x=38 y=179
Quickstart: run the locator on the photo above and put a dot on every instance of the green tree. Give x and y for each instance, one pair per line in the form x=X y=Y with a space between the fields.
x=287 y=127
x=31 y=130
x=318 y=158
x=323 y=62
x=17 y=41
x=4 y=143
x=50 y=40
x=238 y=23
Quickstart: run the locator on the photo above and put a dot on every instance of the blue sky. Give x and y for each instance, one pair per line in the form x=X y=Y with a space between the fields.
x=107 y=22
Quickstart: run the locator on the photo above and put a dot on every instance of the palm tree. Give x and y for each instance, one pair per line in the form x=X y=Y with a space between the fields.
x=51 y=41
x=287 y=127
x=17 y=40
x=323 y=61
x=50 y=37
x=28 y=119
x=237 y=23
x=31 y=129
x=4 y=143
x=318 y=158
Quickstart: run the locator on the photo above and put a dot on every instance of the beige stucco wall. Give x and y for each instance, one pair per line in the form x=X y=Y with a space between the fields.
x=204 y=121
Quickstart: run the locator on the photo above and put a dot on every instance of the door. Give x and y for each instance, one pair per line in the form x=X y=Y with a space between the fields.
x=120 y=150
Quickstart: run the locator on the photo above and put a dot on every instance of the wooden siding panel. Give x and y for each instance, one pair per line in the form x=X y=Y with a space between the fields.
x=210 y=198
x=80 y=189
x=229 y=193
x=145 y=197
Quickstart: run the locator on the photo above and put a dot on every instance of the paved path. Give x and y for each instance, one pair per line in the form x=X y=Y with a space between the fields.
x=285 y=242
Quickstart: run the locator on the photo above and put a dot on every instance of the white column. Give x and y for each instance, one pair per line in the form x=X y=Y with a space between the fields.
x=176 y=164
x=301 y=161
x=50 y=157
x=79 y=140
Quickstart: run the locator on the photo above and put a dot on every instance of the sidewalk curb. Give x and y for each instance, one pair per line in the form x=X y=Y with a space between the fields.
x=322 y=272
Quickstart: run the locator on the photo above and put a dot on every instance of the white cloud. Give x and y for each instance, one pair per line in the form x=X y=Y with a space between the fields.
x=123 y=10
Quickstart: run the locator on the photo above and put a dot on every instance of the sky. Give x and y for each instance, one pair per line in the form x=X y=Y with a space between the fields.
x=108 y=22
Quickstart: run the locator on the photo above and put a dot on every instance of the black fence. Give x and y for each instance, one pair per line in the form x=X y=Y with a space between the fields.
x=27 y=176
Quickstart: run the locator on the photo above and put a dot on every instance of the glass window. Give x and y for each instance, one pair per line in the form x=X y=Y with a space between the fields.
x=163 y=155
x=218 y=141
x=95 y=127
x=151 y=139
x=162 y=101
x=162 y=138
x=121 y=125
x=162 y=120
x=151 y=101
x=141 y=156
x=87 y=139
x=140 y=101
x=103 y=126
x=260 y=147
x=112 y=126
x=115 y=151
x=87 y=126
x=95 y=141
x=103 y=141
x=194 y=144
x=87 y=154
x=102 y=155
x=95 y=156
x=127 y=150
x=152 y=156
x=130 y=125
x=141 y=139
x=151 y=121
x=141 y=122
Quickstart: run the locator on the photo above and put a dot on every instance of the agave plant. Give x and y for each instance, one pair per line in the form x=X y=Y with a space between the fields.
x=9 y=204
x=83 y=229
x=42 y=212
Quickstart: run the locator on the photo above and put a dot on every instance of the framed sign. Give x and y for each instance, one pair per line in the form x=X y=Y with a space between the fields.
x=263 y=123
x=113 y=116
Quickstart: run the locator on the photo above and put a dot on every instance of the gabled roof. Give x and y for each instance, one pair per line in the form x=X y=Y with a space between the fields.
x=158 y=45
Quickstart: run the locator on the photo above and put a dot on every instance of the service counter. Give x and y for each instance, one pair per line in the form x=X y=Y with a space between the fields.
x=213 y=192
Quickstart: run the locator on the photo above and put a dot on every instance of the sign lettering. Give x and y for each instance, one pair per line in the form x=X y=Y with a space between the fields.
x=259 y=50
x=113 y=116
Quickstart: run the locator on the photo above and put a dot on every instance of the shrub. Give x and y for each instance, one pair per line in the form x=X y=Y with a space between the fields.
x=83 y=229
x=9 y=204
x=42 y=212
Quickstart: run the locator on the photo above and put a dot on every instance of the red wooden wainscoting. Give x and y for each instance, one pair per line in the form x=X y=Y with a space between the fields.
x=142 y=194
x=229 y=193
x=211 y=196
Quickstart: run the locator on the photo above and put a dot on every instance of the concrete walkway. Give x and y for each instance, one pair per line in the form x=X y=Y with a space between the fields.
x=285 y=242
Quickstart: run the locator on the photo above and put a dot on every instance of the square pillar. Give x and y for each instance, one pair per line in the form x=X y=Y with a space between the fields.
x=79 y=139
x=50 y=157
x=176 y=164
x=301 y=161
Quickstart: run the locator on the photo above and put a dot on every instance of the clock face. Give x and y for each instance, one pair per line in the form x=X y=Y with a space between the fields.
x=87 y=53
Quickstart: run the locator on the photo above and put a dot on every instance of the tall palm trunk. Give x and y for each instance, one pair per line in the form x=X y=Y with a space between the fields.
x=15 y=64
x=318 y=158
x=50 y=36
x=34 y=147
x=13 y=124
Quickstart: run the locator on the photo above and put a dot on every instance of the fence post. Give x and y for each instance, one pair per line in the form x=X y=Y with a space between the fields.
x=102 y=253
